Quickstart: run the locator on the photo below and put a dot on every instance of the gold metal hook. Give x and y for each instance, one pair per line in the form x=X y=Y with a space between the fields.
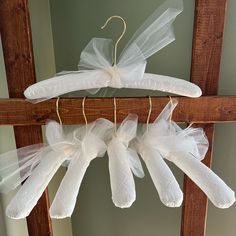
x=83 y=111
x=190 y=125
x=115 y=121
x=171 y=112
x=57 y=110
x=149 y=112
x=121 y=36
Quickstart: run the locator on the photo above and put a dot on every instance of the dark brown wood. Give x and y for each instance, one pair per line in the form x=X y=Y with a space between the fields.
x=19 y=63
x=202 y=110
x=206 y=57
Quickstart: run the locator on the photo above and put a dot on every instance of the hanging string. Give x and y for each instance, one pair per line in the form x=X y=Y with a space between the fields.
x=121 y=36
x=57 y=110
x=149 y=112
x=83 y=111
x=115 y=122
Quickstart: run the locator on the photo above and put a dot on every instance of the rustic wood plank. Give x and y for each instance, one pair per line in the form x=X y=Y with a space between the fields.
x=202 y=110
x=206 y=57
x=20 y=71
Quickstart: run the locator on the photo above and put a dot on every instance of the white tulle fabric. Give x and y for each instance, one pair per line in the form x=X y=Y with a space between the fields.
x=92 y=144
x=17 y=165
x=185 y=148
x=40 y=163
x=96 y=69
x=123 y=163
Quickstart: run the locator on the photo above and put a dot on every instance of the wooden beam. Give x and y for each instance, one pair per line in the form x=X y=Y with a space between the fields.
x=20 y=71
x=202 y=110
x=206 y=57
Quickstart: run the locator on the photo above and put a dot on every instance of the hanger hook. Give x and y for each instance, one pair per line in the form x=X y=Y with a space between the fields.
x=83 y=111
x=172 y=111
x=121 y=36
x=115 y=121
x=149 y=112
x=57 y=110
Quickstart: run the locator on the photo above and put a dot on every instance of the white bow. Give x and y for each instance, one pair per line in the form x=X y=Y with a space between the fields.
x=97 y=55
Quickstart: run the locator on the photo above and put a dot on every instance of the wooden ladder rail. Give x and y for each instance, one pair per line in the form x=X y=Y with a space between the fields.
x=205 y=71
x=206 y=109
x=20 y=71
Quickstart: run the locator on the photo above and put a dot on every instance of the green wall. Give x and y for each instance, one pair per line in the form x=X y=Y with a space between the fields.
x=74 y=23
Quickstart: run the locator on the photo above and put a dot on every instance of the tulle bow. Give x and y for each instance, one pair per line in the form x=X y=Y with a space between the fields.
x=170 y=138
x=98 y=55
x=185 y=148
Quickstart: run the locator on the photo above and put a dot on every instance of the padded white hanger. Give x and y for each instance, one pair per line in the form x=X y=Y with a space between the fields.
x=98 y=68
x=185 y=148
x=40 y=163
x=92 y=145
x=123 y=161
x=166 y=185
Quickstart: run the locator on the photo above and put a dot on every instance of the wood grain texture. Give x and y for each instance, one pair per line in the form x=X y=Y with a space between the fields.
x=20 y=71
x=202 y=110
x=206 y=58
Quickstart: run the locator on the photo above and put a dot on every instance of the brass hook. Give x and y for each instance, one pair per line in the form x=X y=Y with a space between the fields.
x=83 y=111
x=190 y=125
x=121 y=36
x=171 y=112
x=57 y=110
x=115 y=118
x=149 y=112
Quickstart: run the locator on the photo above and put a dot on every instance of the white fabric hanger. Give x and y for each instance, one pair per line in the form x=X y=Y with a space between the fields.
x=98 y=68
x=50 y=158
x=166 y=185
x=92 y=144
x=185 y=148
x=123 y=162
x=40 y=162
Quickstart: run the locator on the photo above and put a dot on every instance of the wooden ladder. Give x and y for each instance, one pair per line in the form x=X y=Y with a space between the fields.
x=205 y=111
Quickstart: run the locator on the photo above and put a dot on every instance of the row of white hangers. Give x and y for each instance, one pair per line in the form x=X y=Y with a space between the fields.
x=155 y=143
